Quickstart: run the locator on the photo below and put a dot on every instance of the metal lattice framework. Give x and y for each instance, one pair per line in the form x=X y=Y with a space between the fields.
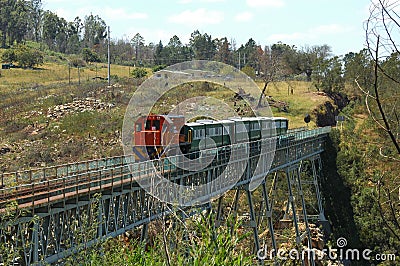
x=55 y=204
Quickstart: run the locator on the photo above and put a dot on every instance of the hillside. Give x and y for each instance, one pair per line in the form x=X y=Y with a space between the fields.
x=48 y=119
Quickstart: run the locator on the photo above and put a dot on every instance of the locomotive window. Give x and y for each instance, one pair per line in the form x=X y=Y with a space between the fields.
x=148 y=125
x=277 y=124
x=156 y=124
x=138 y=127
x=283 y=124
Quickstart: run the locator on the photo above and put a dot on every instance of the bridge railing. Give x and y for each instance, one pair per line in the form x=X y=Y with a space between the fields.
x=49 y=182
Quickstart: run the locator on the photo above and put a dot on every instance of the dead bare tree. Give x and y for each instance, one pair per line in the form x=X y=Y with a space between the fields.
x=271 y=67
x=382 y=27
x=381 y=99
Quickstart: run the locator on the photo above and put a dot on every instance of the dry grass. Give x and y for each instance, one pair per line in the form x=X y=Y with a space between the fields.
x=303 y=100
x=50 y=73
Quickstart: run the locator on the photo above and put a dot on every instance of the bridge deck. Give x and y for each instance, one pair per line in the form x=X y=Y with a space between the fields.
x=58 y=195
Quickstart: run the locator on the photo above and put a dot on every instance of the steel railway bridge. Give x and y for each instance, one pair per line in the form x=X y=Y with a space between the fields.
x=51 y=205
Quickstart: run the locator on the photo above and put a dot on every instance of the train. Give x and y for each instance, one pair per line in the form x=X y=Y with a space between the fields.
x=156 y=136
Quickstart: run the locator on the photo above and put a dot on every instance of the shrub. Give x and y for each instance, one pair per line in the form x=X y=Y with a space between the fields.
x=139 y=72
x=77 y=62
x=90 y=56
x=8 y=56
x=27 y=57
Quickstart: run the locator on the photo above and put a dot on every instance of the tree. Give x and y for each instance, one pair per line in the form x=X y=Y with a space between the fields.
x=248 y=54
x=139 y=72
x=5 y=18
x=18 y=24
x=13 y=21
x=35 y=14
x=74 y=30
x=270 y=70
x=381 y=99
x=54 y=31
x=175 y=52
x=381 y=28
x=27 y=57
x=358 y=67
x=224 y=52
x=159 y=54
x=202 y=45
x=94 y=31
x=137 y=43
x=249 y=71
x=328 y=75
x=310 y=58
x=90 y=56
x=8 y=56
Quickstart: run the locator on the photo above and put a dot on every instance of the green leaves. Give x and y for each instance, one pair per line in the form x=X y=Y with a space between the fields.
x=24 y=55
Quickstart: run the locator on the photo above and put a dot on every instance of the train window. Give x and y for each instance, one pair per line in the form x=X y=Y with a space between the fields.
x=240 y=128
x=138 y=127
x=218 y=131
x=198 y=133
x=226 y=130
x=148 y=125
x=264 y=124
x=283 y=124
x=255 y=126
x=277 y=124
x=247 y=127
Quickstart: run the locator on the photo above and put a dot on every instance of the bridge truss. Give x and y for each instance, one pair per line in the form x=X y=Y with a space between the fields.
x=52 y=207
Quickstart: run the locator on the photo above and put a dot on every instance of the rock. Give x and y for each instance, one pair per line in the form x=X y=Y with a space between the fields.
x=78 y=106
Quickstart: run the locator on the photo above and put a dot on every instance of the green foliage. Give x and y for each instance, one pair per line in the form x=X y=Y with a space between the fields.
x=328 y=76
x=158 y=68
x=249 y=71
x=90 y=56
x=139 y=72
x=77 y=62
x=203 y=245
x=24 y=55
x=12 y=244
x=353 y=172
x=8 y=56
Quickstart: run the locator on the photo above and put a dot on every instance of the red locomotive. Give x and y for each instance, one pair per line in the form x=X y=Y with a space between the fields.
x=155 y=132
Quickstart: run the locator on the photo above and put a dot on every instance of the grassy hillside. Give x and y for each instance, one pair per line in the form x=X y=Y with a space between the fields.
x=47 y=118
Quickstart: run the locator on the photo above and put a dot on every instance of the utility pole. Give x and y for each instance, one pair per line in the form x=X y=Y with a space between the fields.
x=109 y=63
x=239 y=60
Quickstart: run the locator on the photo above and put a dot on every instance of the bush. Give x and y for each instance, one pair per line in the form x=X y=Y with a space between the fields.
x=90 y=56
x=139 y=72
x=8 y=56
x=158 y=68
x=25 y=56
x=77 y=62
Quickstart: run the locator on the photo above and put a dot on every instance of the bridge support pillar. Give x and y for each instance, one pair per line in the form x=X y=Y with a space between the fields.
x=293 y=175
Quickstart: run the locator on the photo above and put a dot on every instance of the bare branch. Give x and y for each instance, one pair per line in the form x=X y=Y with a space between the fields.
x=378 y=102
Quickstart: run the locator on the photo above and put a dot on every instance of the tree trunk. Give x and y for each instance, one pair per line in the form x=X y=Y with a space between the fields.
x=259 y=105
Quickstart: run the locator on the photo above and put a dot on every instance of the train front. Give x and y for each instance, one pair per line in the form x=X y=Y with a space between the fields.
x=156 y=135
